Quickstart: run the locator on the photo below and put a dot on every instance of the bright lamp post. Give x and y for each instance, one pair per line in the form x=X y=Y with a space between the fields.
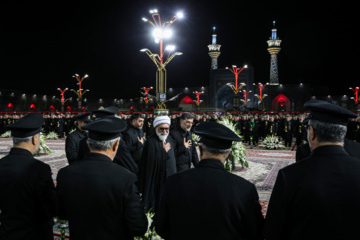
x=245 y=100
x=62 y=100
x=146 y=90
x=356 y=90
x=80 y=92
x=236 y=88
x=161 y=31
x=198 y=101
x=261 y=96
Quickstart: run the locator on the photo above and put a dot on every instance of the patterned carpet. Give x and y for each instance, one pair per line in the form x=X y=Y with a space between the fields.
x=263 y=165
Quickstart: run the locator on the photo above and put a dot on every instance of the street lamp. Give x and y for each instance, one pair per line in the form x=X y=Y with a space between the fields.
x=146 y=90
x=80 y=92
x=161 y=31
x=236 y=88
x=261 y=96
x=62 y=100
x=245 y=100
x=356 y=99
x=198 y=101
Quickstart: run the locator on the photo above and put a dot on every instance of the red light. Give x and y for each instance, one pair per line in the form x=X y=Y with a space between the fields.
x=52 y=107
x=83 y=107
x=32 y=106
x=68 y=108
x=132 y=107
x=10 y=105
x=186 y=100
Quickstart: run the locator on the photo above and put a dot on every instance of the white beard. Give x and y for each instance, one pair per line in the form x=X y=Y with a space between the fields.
x=162 y=136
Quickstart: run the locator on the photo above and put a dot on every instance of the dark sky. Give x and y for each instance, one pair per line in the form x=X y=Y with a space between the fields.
x=44 y=44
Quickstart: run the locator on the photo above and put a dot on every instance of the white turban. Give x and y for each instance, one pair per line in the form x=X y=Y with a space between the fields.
x=160 y=120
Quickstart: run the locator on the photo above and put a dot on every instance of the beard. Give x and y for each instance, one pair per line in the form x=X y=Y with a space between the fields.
x=162 y=135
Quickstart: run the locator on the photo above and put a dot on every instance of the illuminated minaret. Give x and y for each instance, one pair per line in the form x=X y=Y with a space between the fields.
x=274 y=49
x=214 y=51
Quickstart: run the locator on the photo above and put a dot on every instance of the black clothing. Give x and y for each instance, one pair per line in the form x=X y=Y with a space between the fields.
x=123 y=158
x=351 y=147
x=184 y=157
x=27 y=197
x=107 y=202
x=155 y=166
x=207 y=202
x=130 y=136
x=316 y=198
x=287 y=132
x=72 y=142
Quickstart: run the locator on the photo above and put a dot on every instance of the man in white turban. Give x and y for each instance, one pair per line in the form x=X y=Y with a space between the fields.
x=157 y=163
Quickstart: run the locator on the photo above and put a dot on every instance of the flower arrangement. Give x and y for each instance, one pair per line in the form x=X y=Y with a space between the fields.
x=44 y=148
x=272 y=143
x=238 y=148
x=52 y=135
x=195 y=138
x=6 y=134
x=150 y=233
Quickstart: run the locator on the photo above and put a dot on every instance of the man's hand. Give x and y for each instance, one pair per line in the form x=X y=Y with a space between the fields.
x=187 y=144
x=140 y=140
x=166 y=146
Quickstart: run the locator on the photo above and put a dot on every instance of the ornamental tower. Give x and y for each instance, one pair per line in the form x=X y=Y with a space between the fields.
x=214 y=51
x=274 y=49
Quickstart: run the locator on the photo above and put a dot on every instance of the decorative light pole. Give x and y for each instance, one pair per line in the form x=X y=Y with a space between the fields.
x=245 y=100
x=62 y=100
x=198 y=101
x=161 y=31
x=146 y=90
x=80 y=92
x=356 y=90
x=236 y=71
x=261 y=96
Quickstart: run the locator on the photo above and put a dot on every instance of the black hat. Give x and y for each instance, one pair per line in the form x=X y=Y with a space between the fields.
x=84 y=117
x=216 y=135
x=327 y=112
x=106 y=128
x=108 y=111
x=27 y=126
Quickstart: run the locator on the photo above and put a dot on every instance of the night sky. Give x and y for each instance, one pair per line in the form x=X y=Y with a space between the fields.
x=44 y=44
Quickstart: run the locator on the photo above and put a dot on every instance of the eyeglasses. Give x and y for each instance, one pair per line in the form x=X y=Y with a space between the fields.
x=163 y=129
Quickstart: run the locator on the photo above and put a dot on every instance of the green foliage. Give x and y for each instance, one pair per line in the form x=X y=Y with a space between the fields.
x=44 y=148
x=272 y=143
x=6 y=134
x=238 y=148
x=52 y=135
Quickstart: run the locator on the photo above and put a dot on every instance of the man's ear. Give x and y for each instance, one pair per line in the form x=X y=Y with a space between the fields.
x=34 y=139
x=311 y=133
x=115 y=145
x=201 y=150
x=230 y=154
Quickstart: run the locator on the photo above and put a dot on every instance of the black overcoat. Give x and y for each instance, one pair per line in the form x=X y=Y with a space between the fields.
x=184 y=157
x=316 y=198
x=27 y=197
x=207 y=202
x=72 y=143
x=100 y=199
x=155 y=166
x=130 y=136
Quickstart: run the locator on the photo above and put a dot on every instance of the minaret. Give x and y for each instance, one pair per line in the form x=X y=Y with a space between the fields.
x=214 y=51
x=274 y=49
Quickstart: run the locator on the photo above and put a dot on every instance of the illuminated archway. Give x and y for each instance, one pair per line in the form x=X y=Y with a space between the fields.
x=32 y=107
x=281 y=103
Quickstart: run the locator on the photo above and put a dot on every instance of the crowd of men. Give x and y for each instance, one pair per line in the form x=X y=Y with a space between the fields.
x=124 y=166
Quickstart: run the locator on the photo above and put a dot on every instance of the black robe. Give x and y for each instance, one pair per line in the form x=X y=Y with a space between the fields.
x=155 y=166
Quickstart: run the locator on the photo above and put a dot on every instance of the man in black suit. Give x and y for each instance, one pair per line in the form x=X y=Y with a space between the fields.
x=27 y=191
x=184 y=147
x=72 y=141
x=99 y=198
x=316 y=198
x=207 y=202
x=134 y=136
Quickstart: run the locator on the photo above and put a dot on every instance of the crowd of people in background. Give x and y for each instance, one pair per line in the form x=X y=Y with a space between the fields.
x=254 y=125
x=122 y=166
